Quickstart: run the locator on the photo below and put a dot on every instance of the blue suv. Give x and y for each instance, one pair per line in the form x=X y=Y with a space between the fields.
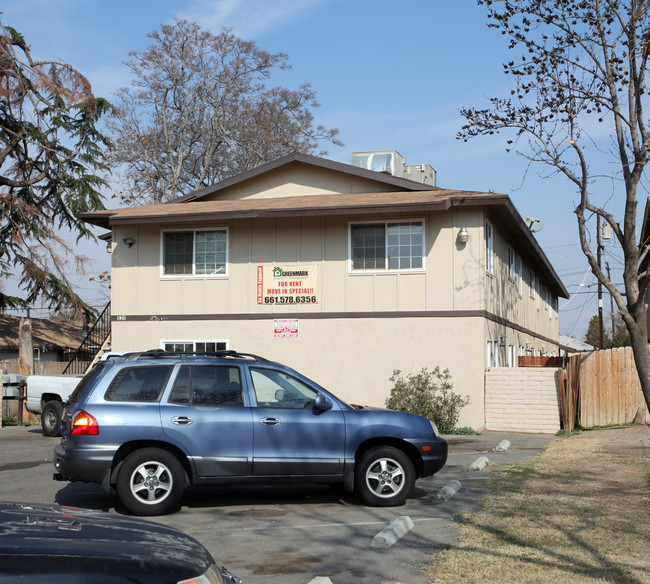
x=148 y=424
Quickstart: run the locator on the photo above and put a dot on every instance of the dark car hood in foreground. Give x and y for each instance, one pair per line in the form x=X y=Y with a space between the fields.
x=101 y=542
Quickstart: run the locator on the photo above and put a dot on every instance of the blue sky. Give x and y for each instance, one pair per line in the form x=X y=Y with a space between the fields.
x=388 y=75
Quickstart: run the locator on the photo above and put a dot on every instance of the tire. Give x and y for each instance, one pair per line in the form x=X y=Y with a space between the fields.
x=384 y=477
x=51 y=418
x=150 y=482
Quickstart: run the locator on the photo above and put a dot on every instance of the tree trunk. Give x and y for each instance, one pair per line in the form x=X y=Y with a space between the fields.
x=639 y=340
x=25 y=348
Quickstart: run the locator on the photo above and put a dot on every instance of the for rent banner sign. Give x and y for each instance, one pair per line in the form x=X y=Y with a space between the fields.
x=292 y=284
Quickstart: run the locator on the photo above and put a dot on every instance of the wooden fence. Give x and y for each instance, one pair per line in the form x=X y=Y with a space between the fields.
x=597 y=389
x=610 y=391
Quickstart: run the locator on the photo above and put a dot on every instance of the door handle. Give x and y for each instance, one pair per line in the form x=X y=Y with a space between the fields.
x=270 y=421
x=182 y=420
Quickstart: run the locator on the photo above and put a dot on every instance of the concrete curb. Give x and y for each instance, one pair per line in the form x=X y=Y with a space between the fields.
x=395 y=530
x=320 y=580
x=447 y=492
x=479 y=463
x=502 y=446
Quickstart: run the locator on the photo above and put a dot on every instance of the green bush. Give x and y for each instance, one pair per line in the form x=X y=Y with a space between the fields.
x=428 y=394
x=9 y=421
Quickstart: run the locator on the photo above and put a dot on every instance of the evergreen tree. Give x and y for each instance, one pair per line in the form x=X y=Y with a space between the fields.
x=51 y=157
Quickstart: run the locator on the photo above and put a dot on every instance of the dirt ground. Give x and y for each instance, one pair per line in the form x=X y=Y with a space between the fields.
x=578 y=513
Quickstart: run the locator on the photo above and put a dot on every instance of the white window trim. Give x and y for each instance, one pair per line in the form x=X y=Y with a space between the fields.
x=193 y=341
x=512 y=357
x=512 y=264
x=353 y=271
x=489 y=248
x=193 y=275
x=533 y=284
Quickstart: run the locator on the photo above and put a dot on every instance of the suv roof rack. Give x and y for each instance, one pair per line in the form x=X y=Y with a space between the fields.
x=160 y=353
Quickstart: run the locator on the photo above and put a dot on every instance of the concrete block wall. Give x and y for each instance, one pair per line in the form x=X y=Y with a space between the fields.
x=522 y=399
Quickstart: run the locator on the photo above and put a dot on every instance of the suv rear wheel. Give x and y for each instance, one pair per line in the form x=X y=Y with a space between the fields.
x=150 y=482
x=384 y=477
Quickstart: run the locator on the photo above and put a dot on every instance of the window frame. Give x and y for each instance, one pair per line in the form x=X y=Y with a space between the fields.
x=194 y=342
x=194 y=231
x=532 y=283
x=386 y=269
x=512 y=264
x=489 y=248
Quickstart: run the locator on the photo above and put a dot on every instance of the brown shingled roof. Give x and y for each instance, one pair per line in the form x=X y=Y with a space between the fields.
x=50 y=333
x=338 y=204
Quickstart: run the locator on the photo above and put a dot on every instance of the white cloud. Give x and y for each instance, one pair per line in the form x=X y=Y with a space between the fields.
x=248 y=18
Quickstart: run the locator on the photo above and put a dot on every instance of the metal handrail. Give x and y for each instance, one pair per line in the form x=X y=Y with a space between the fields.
x=92 y=343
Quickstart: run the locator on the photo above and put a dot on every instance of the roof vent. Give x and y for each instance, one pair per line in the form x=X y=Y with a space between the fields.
x=393 y=163
x=389 y=161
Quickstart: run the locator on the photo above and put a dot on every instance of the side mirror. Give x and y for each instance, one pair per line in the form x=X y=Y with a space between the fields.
x=322 y=403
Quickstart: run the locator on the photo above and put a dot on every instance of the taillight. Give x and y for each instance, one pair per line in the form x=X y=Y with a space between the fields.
x=84 y=425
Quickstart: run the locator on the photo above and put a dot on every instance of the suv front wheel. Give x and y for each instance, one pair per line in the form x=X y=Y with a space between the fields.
x=150 y=482
x=384 y=477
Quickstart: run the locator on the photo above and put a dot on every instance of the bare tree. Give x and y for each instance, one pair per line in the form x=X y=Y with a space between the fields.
x=50 y=157
x=581 y=74
x=199 y=111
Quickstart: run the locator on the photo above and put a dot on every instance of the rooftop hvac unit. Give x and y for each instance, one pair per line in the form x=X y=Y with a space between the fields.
x=422 y=173
x=389 y=161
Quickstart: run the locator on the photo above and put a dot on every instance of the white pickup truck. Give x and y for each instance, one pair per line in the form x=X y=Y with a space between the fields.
x=47 y=394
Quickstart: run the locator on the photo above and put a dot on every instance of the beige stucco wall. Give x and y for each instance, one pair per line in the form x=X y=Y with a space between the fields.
x=353 y=358
x=299 y=180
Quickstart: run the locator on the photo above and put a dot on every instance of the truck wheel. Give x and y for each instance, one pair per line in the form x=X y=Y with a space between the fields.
x=384 y=477
x=51 y=418
x=150 y=482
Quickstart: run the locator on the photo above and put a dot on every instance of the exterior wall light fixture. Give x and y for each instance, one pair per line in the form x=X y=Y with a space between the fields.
x=463 y=235
x=129 y=241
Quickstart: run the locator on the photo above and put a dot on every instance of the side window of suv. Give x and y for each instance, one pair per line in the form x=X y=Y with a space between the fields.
x=139 y=384
x=275 y=389
x=208 y=385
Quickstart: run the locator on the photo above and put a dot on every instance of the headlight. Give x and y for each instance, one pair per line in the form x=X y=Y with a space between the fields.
x=434 y=428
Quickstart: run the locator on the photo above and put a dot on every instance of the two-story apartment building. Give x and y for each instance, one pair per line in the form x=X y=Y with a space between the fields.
x=344 y=273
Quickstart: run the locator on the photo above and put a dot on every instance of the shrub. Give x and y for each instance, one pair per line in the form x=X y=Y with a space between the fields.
x=428 y=394
x=9 y=421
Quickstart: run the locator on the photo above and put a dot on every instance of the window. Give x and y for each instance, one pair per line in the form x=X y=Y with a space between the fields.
x=274 y=389
x=195 y=253
x=532 y=283
x=512 y=264
x=208 y=385
x=194 y=346
x=519 y=276
x=489 y=248
x=492 y=353
x=138 y=384
x=387 y=246
x=512 y=359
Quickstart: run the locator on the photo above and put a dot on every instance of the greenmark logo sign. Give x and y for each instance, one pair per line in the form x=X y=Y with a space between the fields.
x=290 y=273
x=287 y=284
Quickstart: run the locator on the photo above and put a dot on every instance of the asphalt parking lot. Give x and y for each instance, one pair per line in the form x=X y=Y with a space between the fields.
x=289 y=535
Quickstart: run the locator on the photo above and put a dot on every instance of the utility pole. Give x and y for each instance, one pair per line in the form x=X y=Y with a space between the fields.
x=611 y=302
x=600 y=287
